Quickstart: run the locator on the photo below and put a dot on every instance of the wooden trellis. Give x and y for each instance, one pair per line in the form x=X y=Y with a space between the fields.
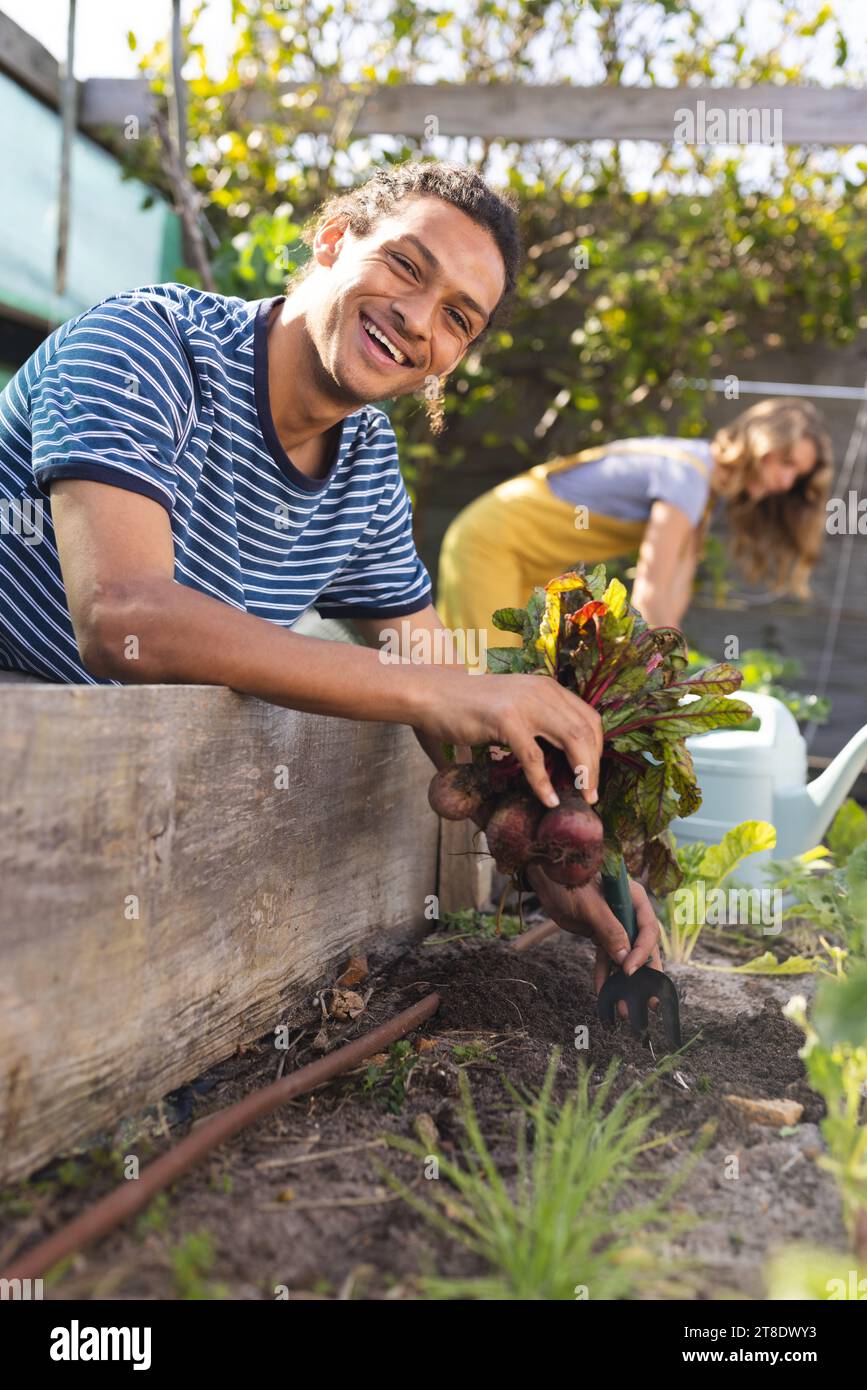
x=505 y=111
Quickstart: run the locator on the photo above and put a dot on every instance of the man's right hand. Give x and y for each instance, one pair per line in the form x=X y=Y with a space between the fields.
x=516 y=711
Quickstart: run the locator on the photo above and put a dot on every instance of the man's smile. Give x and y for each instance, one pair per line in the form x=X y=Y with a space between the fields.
x=381 y=345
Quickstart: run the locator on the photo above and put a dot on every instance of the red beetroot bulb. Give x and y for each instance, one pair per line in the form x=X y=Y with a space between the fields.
x=571 y=834
x=458 y=792
x=511 y=830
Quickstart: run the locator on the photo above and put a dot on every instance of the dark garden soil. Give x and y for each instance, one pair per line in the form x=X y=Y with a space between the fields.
x=299 y=1199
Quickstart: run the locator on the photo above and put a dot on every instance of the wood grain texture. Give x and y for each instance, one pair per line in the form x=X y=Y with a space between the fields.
x=27 y=61
x=524 y=111
x=252 y=884
x=515 y=111
x=466 y=868
x=502 y=110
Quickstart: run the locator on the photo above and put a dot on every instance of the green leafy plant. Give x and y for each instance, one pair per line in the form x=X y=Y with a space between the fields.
x=835 y=1057
x=468 y=923
x=832 y=898
x=713 y=567
x=72 y=1174
x=569 y=1223
x=467 y=1054
x=828 y=962
x=388 y=1082
x=192 y=1260
x=848 y=830
x=705 y=868
x=257 y=259
x=805 y=1273
x=764 y=671
x=155 y=1216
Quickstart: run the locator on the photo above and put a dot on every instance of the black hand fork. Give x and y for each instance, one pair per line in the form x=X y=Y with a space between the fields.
x=636 y=990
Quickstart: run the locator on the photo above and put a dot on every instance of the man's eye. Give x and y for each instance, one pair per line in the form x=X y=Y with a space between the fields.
x=402 y=260
x=460 y=320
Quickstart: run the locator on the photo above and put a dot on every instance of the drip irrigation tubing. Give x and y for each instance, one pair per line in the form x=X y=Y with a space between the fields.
x=531 y=938
x=130 y=1196
x=133 y=1194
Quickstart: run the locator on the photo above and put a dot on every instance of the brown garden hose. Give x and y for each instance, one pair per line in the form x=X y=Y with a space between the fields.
x=130 y=1196
x=536 y=934
x=134 y=1194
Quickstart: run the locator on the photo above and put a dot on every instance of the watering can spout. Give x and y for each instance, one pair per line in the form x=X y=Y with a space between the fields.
x=803 y=814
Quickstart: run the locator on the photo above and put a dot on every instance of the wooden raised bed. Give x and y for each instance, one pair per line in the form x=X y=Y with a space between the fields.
x=181 y=865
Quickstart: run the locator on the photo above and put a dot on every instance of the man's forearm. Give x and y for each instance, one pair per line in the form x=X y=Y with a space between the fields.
x=412 y=635
x=181 y=635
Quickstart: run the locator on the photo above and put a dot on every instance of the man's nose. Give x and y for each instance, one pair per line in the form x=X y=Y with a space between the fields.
x=414 y=316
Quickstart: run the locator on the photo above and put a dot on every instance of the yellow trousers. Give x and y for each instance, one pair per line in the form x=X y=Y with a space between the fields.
x=517 y=536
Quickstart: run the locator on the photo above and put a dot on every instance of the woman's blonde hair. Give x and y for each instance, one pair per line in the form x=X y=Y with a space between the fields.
x=777 y=539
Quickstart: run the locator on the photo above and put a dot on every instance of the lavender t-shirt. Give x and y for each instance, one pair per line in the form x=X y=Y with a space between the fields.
x=626 y=483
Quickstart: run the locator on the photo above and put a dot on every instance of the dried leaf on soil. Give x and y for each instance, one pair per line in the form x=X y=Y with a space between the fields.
x=354 y=971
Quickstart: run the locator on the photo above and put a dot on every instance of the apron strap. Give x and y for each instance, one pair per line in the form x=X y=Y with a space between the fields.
x=621 y=446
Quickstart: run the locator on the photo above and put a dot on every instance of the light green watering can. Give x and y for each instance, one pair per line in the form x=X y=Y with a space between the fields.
x=761 y=774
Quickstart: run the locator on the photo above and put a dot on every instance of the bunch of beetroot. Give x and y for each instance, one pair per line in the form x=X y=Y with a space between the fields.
x=581 y=631
x=567 y=840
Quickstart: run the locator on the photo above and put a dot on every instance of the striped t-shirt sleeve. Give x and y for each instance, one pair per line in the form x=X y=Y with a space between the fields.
x=384 y=576
x=115 y=403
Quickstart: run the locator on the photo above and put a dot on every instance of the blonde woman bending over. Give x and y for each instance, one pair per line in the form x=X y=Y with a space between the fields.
x=771 y=468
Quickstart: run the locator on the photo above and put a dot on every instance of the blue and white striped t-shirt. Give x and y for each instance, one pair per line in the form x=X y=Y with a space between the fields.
x=164 y=390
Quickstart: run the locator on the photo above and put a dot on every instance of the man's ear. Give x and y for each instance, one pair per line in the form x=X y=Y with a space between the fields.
x=329 y=239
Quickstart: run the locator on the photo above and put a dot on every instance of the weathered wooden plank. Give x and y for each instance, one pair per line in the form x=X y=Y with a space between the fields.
x=521 y=112
x=466 y=869
x=507 y=110
x=111 y=101
x=515 y=111
x=25 y=59
x=180 y=865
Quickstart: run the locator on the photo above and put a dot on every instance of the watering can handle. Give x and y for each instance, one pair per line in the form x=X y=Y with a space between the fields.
x=615 y=890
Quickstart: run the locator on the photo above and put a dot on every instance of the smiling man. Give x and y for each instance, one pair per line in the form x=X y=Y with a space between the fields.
x=210 y=469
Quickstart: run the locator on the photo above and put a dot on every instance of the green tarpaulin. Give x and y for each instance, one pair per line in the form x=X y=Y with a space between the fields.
x=114 y=244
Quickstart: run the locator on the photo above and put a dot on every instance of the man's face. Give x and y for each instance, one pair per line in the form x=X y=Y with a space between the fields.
x=427 y=278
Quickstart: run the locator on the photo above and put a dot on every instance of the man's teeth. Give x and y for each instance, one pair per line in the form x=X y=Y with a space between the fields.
x=376 y=333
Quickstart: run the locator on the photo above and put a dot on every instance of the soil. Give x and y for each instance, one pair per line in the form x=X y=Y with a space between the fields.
x=299 y=1199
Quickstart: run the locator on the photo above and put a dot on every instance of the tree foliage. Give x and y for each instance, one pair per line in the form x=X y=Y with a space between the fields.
x=648 y=265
